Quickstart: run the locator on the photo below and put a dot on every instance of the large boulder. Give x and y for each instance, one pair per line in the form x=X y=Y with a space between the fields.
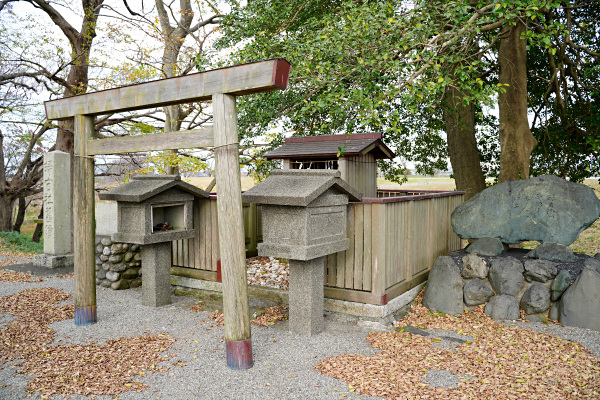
x=546 y=208
x=580 y=303
x=444 y=287
x=506 y=275
x=503 y=307
x=560 y=284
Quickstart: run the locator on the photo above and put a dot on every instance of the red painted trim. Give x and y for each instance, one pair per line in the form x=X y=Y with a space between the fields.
x=239 y=354
x=329 y=138
x=219 y=277
x=281 y=73
x=384 y=299
x=430 y=195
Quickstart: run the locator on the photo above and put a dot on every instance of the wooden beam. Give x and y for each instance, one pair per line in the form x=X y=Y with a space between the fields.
x=231 y=234
x=262 y=76
x=84 y=232
x=156 y=142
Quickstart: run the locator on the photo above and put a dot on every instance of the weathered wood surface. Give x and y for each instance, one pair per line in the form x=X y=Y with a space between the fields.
x=84 y=235
x=155 y=142
x=238 y=80
x=230 y=220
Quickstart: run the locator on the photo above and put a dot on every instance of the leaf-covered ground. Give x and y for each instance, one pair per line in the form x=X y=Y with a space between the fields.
x=84 y=369
x=503 y=362
x=11 y=276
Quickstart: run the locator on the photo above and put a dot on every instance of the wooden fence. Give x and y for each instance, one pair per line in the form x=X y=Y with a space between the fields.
x=393 y=244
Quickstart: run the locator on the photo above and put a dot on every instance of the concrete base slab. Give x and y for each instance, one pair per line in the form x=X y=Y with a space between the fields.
x=50 y=261
x=346 y=310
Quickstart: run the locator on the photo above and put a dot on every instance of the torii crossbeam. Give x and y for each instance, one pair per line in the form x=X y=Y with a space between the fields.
x=220 y=85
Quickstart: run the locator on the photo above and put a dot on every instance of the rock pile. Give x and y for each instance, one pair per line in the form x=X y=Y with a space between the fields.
x=118 y=265
x=513 y=281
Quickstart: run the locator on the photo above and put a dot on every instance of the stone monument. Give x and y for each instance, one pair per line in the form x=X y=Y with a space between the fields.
x=304 y=219
x=57 y=212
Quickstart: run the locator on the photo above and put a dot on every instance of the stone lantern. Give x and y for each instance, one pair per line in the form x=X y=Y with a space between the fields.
x=152 y=211
x=304 y=219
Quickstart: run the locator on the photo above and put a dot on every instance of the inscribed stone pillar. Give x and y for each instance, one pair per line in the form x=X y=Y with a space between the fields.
x=57 y=212
x=57 y=203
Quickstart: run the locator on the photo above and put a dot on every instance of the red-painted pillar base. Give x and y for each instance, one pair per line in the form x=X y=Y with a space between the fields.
x=239 y=354
x=85 y=315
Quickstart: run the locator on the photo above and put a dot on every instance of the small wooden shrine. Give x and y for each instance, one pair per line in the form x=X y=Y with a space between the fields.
x=355 y=156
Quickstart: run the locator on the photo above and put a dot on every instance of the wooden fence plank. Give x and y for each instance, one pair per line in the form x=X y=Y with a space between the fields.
x=349 y=266
x=368 y=247
x=214 y=237
x=358 y=245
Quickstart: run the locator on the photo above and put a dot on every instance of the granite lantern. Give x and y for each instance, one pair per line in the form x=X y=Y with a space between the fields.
x=152 y=211
x=304 y=219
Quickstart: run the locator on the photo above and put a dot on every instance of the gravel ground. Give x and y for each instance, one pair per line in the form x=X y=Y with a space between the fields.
x=284 y=362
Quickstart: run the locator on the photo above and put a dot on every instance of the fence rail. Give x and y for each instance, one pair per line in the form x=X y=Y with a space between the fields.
x=394 y=241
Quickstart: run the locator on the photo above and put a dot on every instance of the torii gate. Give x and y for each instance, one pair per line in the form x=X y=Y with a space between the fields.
x=220 y=85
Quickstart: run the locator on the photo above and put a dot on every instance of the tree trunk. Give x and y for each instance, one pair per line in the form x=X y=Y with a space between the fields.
x=37 y=233
x=22 y=206
x=516 y=140
x=462 y=146
x=5 y=213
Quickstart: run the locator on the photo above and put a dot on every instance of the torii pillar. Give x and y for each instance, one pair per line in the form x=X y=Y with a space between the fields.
x=221 y=86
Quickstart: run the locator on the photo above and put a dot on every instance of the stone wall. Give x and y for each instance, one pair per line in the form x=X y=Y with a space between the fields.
x=118 y=265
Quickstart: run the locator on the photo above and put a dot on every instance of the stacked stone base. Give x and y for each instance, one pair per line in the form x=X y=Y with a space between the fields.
x=118 y=265
x=514 y=284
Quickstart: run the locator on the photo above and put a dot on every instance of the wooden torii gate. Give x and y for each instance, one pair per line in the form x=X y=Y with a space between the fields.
x=220 y=85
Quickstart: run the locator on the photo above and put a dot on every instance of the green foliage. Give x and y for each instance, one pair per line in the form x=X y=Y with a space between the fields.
x=20 y=242
x=382 y=66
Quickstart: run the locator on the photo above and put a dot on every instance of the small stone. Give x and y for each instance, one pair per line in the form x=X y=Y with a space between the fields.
x=106 y=266
x=487 y=247
x=477 y=292
x=98 y=281
x=135 y=283
x=444 y=288
x=97 y=240
x=553 y=252
x=474 y=267
x=106 y=251
x=135 y=247
x=554 y=311
x=593 y=264
x=104 y=258
x=100 y=274
x=131 y=273
x=106 y=241
x=118 y=267
x=506 y=276
x=99 y=248
x=120 y=285
x=117 y=248
x=126 y=246
x=115 y=258
x=536 y=299
x=113 y=276
x=128 y=256
x=503 y=307
x=539 y=270
x=106 y=283
x=98 y=261
x=138 y=257
x=560 y=284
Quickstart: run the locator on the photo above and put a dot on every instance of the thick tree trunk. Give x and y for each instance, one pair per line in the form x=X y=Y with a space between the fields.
x=37 y=233
x=5 y=213
x=516 y=140
x=462 y=145
x=22 y=206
